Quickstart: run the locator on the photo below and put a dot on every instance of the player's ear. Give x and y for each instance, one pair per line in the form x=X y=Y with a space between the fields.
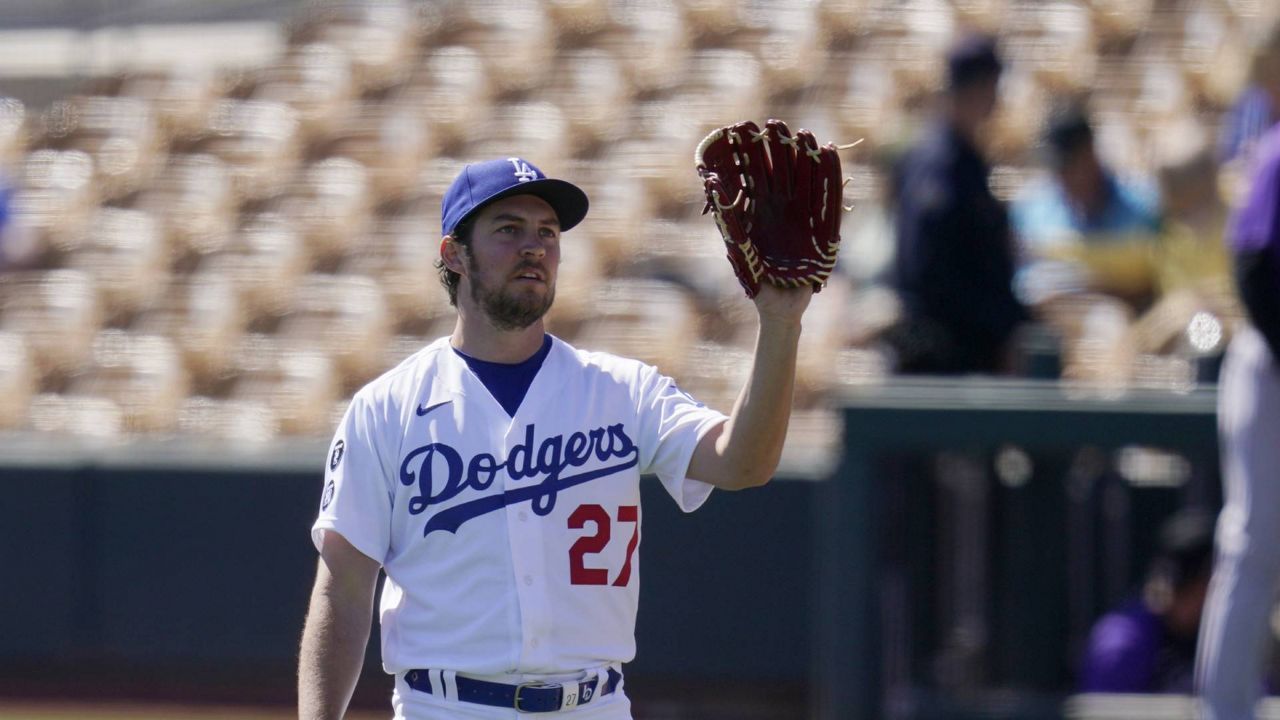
x=451 y=254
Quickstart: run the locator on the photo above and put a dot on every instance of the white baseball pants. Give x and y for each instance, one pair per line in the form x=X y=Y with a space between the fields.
x=1235 y=631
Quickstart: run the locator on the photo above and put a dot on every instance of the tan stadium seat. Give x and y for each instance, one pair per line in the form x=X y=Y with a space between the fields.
x=982 y=15
x=14 y=130
x=245 y=421
x=578 y=20
x=1120 y=20
x=713 y=373
x=620 y=207
x=125 y=255
x=659 y=151
x=141 y=374
x=400 y=254
x=826 y=333
x=899 y=20
x=330 y=204
x=1057 y=42
x=868 y=102
x=390 y=140
x=434 y=180
x=814 y=440
x=1163 y=94
x=87 y=416
x=852 y=367
x=181 y=98
x=264 y=261
x=194 y=202
x=579 y=278
x=841 y=20
x=914 y=60
x=792 y=62
x=663 y=169
x=515 y=39
x=711 y=18
x=379 y=37
x=56 y=197
x=259 y=142
x=300 y=387
x=651 y=43
x=722 y=87
x=450 y=91
x=589 y=87
x=690 y=249
x=57 y=313
x=649 y=320
x=201 y=316
x=119 y=133
x=528 y=129
x=1215 y=53
x=342 y=317
x=400 y=347
x=316 y=81
x=18 y=380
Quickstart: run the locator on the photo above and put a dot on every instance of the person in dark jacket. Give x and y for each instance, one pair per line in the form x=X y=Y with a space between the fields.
x=954 y=261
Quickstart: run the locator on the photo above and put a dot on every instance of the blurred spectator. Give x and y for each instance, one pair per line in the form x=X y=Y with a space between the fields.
x=6 y=223
x=1148 y=643
x=1229 y=667
x=954 y=263
x=1256 y=110
x=1191 y=267
x=1083 y=229
x=1191 y=255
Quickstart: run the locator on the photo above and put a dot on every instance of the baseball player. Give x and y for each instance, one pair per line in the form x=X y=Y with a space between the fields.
x=494 y=475
x=1235 y=630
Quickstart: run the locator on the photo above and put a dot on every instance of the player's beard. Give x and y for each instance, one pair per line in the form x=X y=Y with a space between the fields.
x=508 y=310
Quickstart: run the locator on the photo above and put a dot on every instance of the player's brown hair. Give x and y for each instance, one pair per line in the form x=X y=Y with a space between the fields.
x=450 y=279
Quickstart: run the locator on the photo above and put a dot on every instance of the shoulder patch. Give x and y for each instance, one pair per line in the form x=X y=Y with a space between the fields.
x=327 y=497
x=335 y=457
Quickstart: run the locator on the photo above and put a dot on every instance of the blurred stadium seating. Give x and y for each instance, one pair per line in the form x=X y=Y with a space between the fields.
x=259 y=232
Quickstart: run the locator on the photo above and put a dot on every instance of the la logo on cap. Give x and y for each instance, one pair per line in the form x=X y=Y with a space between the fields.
x=523 y=172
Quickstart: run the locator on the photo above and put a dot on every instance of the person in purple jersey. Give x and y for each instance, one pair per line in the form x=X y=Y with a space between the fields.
x=1148 y=643
x=1235 y=635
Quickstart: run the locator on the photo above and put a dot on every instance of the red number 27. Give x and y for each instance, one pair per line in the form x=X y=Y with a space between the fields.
x=579 y=573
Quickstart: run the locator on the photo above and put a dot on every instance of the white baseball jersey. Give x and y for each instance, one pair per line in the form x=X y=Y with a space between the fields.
x=510 y=544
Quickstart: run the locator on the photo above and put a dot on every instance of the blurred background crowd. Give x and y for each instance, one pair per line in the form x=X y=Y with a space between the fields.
x=191 y=244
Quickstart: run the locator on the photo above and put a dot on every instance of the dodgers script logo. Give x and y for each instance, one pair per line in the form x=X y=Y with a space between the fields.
x=441 y=474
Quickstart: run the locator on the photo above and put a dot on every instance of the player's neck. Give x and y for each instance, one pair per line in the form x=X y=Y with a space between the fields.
x=485 y=342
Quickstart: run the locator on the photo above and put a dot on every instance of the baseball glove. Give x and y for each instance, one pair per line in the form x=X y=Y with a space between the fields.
x=777 y=199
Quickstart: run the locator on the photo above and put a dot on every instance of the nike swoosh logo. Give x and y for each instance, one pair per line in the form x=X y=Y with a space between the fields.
x=423 y=410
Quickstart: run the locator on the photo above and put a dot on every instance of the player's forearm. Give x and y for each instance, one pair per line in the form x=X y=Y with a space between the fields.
x=751 y=444
x=332 y=654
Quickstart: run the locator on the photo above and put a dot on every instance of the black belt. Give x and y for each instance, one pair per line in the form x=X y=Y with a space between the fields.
x=529 y=697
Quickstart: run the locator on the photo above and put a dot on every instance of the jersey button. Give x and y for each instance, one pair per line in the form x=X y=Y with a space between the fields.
x=523 y=516
x=528 y=579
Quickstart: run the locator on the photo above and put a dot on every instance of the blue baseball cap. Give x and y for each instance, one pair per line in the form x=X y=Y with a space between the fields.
x=482 y=183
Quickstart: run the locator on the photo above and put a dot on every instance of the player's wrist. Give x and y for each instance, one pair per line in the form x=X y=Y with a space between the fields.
x=780 y=331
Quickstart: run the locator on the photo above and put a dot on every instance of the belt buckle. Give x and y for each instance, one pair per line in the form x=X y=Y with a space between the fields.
x=532 y=684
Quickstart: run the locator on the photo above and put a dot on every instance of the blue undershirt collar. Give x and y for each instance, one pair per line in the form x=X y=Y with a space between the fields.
x=508 y=382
